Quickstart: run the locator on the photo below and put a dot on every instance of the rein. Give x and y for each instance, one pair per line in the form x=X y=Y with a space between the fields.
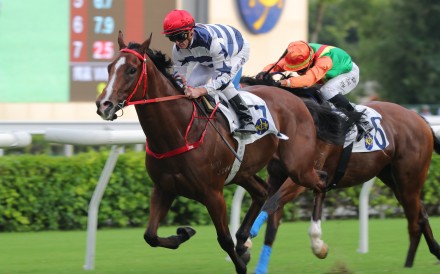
x=187 y=146
x=144 y=76
x=127 y=102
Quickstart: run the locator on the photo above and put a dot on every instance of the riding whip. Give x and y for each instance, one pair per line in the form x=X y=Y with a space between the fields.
x=267 y=72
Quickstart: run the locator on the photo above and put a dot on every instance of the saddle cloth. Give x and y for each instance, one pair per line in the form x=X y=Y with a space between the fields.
x=375 y=140
x=263 y=122
x=260 y=115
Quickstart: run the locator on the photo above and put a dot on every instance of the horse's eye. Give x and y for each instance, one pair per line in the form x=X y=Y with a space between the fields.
x=132 y=70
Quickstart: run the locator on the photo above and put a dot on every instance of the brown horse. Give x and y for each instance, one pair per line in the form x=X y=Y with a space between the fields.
x=186 y=156
x=403 y=166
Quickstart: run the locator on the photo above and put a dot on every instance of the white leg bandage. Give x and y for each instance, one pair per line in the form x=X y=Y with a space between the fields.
x=315 y=236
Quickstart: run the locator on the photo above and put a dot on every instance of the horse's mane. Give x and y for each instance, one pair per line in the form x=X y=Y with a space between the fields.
x=161 y=61
x=268 y=81
x=331 y=126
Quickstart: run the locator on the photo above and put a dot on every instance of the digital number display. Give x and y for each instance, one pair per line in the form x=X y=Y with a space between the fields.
x=94 y=27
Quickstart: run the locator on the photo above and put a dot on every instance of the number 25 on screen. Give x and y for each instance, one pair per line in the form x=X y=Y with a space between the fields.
x=103 y=50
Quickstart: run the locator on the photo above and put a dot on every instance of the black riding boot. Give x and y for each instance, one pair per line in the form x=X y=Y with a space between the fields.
x=244 y=115
x=364 y=126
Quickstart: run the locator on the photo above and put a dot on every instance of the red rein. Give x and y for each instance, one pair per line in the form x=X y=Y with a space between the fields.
x=144 y=76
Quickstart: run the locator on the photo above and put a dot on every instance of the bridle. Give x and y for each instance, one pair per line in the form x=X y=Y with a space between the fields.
x=144 y=77
x=127 y=102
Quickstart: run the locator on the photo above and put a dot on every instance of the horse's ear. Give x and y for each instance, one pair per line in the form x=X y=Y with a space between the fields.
x=121 y=41
x=146 y=44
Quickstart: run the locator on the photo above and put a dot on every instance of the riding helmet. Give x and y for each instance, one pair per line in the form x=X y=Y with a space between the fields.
x=177 y=21
x=299 y=55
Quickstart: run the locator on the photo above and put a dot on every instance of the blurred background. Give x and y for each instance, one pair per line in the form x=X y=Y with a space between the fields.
x=53 y=64
x=54 y=53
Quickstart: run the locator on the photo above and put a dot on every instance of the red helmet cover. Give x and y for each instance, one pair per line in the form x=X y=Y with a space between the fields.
x=177 y=21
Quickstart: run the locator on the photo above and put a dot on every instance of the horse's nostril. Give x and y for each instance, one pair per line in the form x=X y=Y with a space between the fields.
x=107 y=104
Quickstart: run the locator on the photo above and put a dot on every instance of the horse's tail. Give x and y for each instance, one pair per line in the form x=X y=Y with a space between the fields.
x=436 y=142
x=331 y=125
x=434 y=136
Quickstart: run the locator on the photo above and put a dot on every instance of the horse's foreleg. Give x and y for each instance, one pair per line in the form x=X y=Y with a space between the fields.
x=258 y=189
x=287 y=192
x=319 y=247
x=216 y=205
x=261 y=219
x=159 y=206
x=273 y=223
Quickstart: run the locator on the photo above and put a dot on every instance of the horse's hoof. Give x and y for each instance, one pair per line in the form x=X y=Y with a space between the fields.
x=246 y=257
x=185 y=232
x=322 y=254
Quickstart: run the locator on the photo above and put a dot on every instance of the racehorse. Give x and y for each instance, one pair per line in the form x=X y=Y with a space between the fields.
x=402 y=165
x=186 y=153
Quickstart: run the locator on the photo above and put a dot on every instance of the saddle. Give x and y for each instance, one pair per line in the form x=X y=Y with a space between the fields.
x=208 y=103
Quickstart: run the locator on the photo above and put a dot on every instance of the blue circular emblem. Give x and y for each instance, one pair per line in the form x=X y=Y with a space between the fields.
x=262 y=125
x=260 y=16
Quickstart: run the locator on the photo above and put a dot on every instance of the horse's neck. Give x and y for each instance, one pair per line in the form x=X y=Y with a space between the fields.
x=164 y=123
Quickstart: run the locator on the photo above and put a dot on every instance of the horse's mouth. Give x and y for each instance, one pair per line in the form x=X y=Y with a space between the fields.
x=107 y=110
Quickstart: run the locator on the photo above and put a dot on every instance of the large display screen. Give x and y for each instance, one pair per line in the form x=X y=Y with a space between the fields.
x=94 y=27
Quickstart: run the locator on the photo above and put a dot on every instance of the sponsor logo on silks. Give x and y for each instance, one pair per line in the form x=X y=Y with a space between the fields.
x=262 y=125
x=260 y=16
x=368 y=141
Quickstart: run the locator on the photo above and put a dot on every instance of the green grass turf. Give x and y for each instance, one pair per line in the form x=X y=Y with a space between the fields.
x=124 y=251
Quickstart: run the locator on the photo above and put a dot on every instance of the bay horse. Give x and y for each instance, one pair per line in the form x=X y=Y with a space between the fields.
x=186 y=156
x=402 y=166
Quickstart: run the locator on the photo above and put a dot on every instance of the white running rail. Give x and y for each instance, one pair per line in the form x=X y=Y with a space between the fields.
x=117 y=139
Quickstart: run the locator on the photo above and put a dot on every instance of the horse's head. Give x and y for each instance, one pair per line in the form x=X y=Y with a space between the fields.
x=127 y=79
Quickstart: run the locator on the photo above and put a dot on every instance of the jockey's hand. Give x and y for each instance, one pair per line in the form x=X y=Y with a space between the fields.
x=285 y=83
x=193 y=93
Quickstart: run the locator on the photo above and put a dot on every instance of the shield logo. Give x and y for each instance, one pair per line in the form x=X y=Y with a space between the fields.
x=260 y=16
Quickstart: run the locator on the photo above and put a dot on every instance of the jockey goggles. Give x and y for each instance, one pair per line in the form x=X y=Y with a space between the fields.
x=178 y=37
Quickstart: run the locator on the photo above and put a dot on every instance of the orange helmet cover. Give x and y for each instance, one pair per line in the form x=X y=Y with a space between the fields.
x=299 y=55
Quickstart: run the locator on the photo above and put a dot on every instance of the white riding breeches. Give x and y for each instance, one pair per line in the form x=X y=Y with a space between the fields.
x=200 y=75
x=343 y=84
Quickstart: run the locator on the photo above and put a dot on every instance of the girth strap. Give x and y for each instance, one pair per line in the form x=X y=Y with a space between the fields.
x=342 y=166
